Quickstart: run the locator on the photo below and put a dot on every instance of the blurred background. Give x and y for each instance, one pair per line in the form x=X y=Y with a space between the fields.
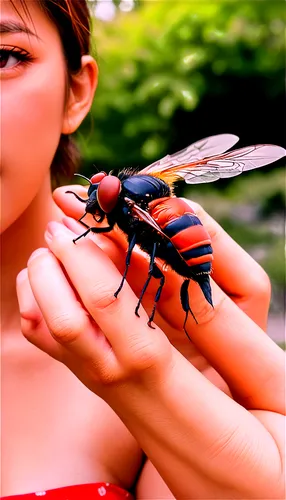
x=172 y=72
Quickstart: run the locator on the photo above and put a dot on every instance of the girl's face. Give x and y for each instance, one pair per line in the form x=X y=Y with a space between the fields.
x=33 y=85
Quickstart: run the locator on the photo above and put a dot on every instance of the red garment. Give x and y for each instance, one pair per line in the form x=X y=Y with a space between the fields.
x=106 y=491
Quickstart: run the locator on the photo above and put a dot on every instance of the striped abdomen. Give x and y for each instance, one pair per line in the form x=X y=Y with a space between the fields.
x=186 y=232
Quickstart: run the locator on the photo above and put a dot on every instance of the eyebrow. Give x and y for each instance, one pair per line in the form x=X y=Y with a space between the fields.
x=15 y=27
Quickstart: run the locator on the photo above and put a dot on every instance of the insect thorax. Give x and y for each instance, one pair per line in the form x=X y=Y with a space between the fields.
x=145 y=188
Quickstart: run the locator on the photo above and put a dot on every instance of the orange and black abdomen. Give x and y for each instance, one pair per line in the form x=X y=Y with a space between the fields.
x=186 y=233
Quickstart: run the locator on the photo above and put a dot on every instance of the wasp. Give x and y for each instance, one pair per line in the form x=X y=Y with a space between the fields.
x=143 y=205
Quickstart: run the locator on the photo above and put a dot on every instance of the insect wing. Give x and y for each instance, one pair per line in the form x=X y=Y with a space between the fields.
x=229 y=164
x=144 y=216
x=199 y=150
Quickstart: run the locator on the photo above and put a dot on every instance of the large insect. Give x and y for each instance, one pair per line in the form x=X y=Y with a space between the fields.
x=143 y=205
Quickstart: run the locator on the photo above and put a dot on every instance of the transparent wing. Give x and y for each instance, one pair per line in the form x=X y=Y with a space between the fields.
x=143 y=216
x=228 y=164
x=201 y=149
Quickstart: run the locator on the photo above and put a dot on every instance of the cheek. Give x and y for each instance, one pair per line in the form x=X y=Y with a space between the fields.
x=31 y=120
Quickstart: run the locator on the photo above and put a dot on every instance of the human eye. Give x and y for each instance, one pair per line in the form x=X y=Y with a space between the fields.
x=10 y=57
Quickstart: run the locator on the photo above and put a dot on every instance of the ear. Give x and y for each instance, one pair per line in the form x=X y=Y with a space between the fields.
x=81 y=92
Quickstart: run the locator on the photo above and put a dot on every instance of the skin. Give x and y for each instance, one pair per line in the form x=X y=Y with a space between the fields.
x=42 y=403
x=145 y=374
x=133 y=371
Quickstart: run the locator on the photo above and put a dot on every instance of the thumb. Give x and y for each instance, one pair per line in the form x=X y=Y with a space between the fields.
x=68 y=203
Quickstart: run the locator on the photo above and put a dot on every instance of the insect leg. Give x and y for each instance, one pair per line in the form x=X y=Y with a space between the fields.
x=94 y=230
x=81 y=221
x=184 y=295
x=82 y=235
x=157 y=273
x=99 y=230
x=150 y=274
x=127 y=262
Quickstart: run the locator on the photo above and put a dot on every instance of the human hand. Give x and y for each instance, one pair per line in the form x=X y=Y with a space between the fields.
x=252 y=295
x=117 y=356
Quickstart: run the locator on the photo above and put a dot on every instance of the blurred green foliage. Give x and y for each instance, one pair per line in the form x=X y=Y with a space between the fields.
x=165 y=60
x=172 y=72
x=252 y=210
x=274 y=262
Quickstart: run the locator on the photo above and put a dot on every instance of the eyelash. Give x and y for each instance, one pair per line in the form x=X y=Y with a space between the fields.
x=22 y=55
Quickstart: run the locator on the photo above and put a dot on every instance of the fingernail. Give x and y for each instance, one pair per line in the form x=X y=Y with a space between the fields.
x=35 y=254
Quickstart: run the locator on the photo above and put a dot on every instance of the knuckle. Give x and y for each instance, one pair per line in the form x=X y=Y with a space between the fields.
x=102 y=298
x=65 y=328
x=100 y=370
x=143 y=356
x=107 y=378
x=227 y=443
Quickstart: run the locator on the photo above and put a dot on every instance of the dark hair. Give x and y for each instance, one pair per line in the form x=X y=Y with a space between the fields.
x=72 y=20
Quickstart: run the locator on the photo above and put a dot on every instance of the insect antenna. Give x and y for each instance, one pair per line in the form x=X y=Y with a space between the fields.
x=83 y=176
x=77 y=196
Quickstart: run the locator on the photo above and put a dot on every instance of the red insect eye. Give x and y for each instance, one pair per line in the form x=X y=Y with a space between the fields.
x=107 y=193
x=96 y=178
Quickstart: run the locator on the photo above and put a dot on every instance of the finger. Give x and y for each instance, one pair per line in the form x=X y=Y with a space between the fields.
x=136 y=277
x=33 y=325
x=230 y=365
x=251 y=295
x=134 y=343
x=68 y=203
x=67 y=321
x=72 y=207
x=115 y=245
x=250 y=363
x=236 y=272
x=139 y=261
x=170 y=309
x=229 y=257
x=139 y=269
